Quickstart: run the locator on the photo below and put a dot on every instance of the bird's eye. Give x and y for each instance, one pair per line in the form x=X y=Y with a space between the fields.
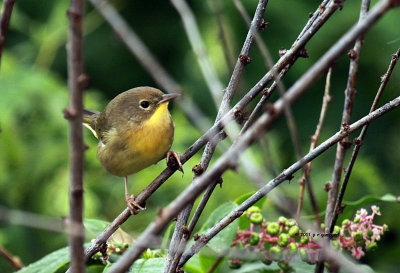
x=144 y=104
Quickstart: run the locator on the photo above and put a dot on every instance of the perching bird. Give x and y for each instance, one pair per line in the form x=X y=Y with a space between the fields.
x=135 y=130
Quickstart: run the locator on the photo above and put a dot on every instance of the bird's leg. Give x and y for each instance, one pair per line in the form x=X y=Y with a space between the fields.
x=130 y=200
x=173 y=161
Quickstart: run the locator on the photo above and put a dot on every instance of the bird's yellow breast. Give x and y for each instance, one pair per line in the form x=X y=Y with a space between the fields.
x=128 y=152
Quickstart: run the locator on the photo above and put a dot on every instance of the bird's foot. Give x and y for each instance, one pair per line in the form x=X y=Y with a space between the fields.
x=173 y=161
x=133 y=206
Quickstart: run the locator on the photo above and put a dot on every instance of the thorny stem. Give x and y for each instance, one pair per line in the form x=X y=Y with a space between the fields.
x=76 y=81
x=359 y=140
x=4 y=22
x=179 y=241
x=305 y=179
x=230 y=158
x=350 y=93
x=289 y=57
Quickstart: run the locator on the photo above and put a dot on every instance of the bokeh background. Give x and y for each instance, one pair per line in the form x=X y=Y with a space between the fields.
x=34 y=134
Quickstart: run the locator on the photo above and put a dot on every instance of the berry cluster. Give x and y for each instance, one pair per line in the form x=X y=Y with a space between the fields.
x=282 y=240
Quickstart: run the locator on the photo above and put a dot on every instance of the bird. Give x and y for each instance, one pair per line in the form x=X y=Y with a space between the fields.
x=135 y=130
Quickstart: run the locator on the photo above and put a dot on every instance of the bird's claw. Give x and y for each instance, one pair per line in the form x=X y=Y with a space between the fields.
x=173 y=161
x=133 y=206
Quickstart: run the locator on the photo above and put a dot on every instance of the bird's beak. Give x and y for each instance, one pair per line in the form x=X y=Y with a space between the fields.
x=168 y=97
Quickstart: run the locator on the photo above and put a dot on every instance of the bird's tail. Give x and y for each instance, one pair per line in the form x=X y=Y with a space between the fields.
x=88 y=120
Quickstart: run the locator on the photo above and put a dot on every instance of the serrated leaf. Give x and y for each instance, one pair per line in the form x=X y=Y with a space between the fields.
x=224 y=238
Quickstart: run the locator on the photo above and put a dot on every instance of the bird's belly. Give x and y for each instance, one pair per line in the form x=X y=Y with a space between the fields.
x=136 y=150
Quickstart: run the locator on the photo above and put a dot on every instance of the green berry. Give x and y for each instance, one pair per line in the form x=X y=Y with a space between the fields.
x=290 y=222
x=385 y=228
x=273 y=228
x=256 y=218
x=254 y=239
x=283 y=240
x=370 y=233
x=323 y=226
x=293 y=230
x=303 y=255
x=357 y=220
x=358 y=236
x=377 y=209
x=372 y=246
x=345 y=222
x=304 y=240
x=282 y=219
x=293 y=249
x=336 y=230
x=275 y=253
x=253 y=209
x=284 y=266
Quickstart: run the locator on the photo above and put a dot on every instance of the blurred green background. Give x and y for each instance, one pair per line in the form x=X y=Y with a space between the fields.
x=34 y=134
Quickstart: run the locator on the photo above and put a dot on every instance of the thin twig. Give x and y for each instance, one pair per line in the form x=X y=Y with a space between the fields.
x=178 y=243
x=12 y=260
x=289 y=57
x=76 y=81
x=285 y=174
x=350 y=93
x=4 y=22
x=229 y=159
x=305 y=180
x=193 y=33
x=360 y=139
x=149 y=62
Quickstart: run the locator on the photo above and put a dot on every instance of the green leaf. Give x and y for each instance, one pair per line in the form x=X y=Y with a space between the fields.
x=368 y=199
x=193 y=265
x=93 y=228
x=224 y=238
x=257 y=267
x=49 y=263
x=148 y=266
x=244 y=222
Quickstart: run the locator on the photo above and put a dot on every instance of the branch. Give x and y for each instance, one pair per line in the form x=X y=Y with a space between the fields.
x=178 y=242
x=14 y=261
x=76 y=80
x=350 y=93
x=285 y=174
x=359 y=140
x=4 y=22
x=305 y=179
x=289 y=56
x=229 y=159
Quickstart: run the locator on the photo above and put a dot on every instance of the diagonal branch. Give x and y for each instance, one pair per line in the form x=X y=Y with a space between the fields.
x=285 y=174
x=350 y=93
x=4 y=22
x=178 y=241
x=288 y=58
x=76 y=81
x=230 y=158
x=359 y=140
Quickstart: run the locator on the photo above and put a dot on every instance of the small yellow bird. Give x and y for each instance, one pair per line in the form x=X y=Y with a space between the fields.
x=135 y=130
